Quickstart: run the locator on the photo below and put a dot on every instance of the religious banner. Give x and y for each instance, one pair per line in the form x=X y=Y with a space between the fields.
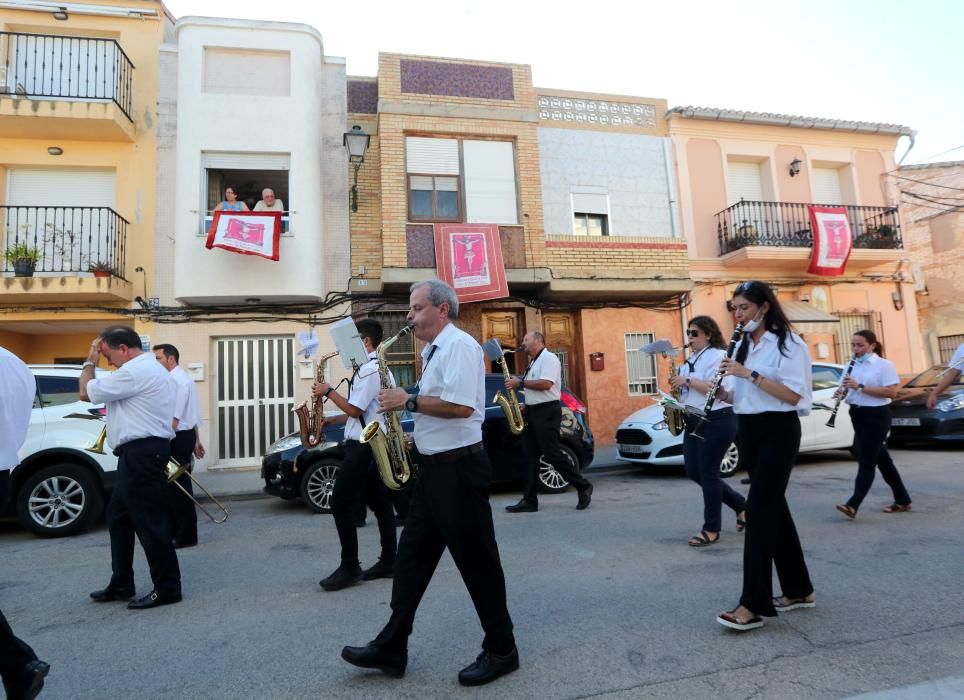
x=832 y=240
x=246 y=232
x=469 y=257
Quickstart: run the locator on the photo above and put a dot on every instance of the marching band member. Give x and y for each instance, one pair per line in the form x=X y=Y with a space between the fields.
x=450 y=504
x=951 y=374
x=702 y=457
x=870 y=388
x=773 y=387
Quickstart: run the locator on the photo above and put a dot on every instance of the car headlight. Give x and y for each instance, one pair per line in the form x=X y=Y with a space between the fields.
x=660 y=426
x=285 y=443
x=955 y=403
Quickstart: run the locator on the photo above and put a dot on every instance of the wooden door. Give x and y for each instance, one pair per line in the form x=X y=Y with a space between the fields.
x=505 y=325
x=559 y=328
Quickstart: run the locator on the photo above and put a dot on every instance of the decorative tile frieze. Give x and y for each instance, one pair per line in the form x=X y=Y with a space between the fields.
x=602 y=112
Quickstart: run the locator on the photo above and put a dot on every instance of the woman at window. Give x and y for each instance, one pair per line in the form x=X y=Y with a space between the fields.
x=772 y=389
x=231 y=202
x=870 y=387
x=702 y=457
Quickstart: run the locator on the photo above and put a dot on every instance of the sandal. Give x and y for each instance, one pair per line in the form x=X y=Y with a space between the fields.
x=703 y=539
x=785 y=604
x=740 y=524
x=728 y=619
x=897 y=508
x=847 y=510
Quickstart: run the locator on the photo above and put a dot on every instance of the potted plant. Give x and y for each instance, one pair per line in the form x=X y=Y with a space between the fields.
x=101 y=269
x=23 y=257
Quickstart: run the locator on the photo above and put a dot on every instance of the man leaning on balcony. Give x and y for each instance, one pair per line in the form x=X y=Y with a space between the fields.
x=269 y=202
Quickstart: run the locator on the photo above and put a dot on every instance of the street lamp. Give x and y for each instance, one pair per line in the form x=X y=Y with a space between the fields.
x=356 y=143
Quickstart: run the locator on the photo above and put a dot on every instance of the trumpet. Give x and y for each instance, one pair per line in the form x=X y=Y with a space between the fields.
x=832 y=421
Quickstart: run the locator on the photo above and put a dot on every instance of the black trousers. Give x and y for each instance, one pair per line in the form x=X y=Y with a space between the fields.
x=770 y=444
x=14 y=653
x=450 y=509
x=358 y=478
x=541 y=438
x=871 y=425
x=180 y=508
x=702 y=459
x=137 y=506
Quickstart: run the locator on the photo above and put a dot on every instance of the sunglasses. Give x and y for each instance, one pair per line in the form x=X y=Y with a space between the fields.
x=692 y=333
x=744 y=287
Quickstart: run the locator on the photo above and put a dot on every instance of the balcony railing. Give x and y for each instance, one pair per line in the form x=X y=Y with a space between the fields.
x=787 y=224
x=67 y=240
x=208 y=219
x=65 y=67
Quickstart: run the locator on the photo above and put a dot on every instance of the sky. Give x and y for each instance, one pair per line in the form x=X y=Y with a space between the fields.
x=876 y=61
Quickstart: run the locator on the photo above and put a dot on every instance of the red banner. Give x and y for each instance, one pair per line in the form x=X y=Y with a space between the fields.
x=469 y=257
x=246 y=232
x=832 y=240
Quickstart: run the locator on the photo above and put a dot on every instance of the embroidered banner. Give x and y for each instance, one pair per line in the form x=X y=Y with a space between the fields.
x=469 y=257
x=832 y=240
x=248 y=232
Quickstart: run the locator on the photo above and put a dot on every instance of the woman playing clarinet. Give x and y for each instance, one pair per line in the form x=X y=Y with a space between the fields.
x=772 y=389
x=869 y=389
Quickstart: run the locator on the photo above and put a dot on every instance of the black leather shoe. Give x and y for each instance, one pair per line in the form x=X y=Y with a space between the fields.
x=105 y=595
x=523 y=506
x=30 y=681
x=153 y=600
x=745 y=480
x=370 y=656
x=585 y=497
x=342 y=577
x=488 y=667
x=181 y=544
x=379 y=570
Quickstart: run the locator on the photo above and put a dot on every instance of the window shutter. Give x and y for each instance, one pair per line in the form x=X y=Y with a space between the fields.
x=29 y=187
x=826 y=186
x=584 y=203
x=745 y=182
x=490 y=194
x=431 y=156
x=246 y=161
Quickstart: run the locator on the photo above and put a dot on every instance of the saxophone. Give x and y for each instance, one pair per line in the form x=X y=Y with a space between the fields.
x=673 y=416
x=311 y=417
x=388 y=447
x=510 y=403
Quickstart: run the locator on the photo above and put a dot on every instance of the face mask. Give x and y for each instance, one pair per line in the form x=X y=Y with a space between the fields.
x=752 y=325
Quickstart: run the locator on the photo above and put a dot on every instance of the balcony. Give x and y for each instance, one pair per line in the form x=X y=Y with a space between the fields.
x=78 y=253
x=65 y=87
x=780 y=231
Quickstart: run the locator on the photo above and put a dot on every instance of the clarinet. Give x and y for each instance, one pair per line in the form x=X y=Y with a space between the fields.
x=718 y=379
x=843 y=392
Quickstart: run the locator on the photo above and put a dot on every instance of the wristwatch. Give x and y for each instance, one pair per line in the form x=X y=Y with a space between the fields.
x=755 y=377
x=88 y=363
x=860 y=387
x=412 y=404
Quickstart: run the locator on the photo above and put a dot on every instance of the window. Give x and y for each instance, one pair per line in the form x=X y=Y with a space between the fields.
x=824 y=377
x=57 y=391
x=744 y=181
x=564 y=363
x=640 y=366
x=826 y=185
x=401 y=354
x=248 y=174
x=590 y=211
x=947 y=345
x=590 y=225
x=433 y=198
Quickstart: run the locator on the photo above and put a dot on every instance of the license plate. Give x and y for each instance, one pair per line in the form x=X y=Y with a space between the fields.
x=632 y=449
x=906 y=421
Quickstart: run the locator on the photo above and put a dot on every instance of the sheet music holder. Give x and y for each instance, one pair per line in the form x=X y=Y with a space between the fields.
x=661 y=346
x=348 y=343
x=672 y=402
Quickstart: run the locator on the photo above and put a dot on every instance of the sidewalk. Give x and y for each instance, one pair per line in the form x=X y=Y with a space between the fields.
x=244 y=483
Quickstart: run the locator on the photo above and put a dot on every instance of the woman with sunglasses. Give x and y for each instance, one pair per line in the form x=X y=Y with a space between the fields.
x=702 y=457
x=870 y=388
x=772 y=388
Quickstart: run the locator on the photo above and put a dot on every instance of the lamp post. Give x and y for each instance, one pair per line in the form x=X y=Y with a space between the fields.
x=356 y=143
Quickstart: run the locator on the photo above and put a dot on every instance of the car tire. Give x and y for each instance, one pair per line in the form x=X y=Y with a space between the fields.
x=731 y=461
x=551 y=481
x=66 y=500
x=318 y=482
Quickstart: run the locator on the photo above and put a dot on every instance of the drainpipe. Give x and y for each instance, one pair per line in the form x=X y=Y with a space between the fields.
x=671 y=187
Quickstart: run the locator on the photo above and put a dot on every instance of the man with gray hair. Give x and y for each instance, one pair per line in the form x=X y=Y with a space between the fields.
x=268 y=201
x=450 y=500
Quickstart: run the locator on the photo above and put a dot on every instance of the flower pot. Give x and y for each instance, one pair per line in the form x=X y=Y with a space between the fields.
x=101 y=273
x=24 y=268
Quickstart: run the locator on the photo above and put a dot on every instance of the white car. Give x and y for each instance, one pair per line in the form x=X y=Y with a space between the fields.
x=644 y=439
x=59 y=487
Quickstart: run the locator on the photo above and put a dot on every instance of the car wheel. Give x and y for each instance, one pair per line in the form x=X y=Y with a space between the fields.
x=59 y=500
x=318 y=483
x=731 y=461
x=552 y=481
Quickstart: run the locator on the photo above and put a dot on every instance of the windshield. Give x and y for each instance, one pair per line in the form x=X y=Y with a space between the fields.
x=929 y=378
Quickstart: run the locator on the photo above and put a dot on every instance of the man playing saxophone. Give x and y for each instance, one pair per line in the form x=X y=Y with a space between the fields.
x=542 y=382
x=357 y=476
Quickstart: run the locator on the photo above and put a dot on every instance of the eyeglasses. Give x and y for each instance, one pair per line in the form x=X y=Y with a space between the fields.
x=692 y=333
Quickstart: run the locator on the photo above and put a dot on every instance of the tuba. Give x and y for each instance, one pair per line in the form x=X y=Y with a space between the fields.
x=388 y=446
x=509 y=402
x=673 y=416
x=311 y=417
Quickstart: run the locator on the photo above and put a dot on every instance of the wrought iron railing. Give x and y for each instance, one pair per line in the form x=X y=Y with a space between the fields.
x=65 y=67
x=787 y=224
x=66 y=240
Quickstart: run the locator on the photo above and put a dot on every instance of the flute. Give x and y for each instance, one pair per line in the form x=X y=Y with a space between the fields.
x=843 y=392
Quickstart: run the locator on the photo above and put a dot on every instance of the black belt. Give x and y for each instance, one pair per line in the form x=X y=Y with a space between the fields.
x=451 y=455
x=138 y=442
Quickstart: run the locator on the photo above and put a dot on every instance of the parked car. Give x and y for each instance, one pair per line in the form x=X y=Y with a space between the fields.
x=643 y=438
x=914 y=422
x=59 y=487
x=290 y=471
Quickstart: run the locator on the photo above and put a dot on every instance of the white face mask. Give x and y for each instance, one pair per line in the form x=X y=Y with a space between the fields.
x=753 y=325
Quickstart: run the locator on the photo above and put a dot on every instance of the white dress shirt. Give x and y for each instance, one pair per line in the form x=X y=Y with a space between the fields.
x=792 y=370
x=277 y=206
x=454 y=373
x=705 y=363
x=18 y=388
x=187 y=408
x=545 y=366
x=139 y=397
x=957 y=362
x=364 y=395
x=873 y=371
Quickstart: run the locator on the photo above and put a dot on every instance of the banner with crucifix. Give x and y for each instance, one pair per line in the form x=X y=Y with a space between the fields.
x=832 y=240
x=247 y=232
x=469 y=257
